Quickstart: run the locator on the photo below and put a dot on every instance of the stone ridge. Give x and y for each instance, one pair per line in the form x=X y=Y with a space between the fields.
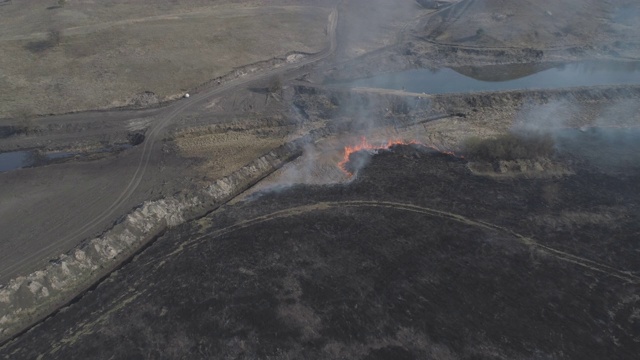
x=28 y=299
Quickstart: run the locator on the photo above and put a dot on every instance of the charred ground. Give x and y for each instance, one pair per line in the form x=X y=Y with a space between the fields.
x=416 y=258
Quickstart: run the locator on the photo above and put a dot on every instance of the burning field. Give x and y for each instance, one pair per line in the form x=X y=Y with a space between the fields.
x=386 y=240
x=355 y=157
x=287 y=210
x=415 y=258
x=351 y=159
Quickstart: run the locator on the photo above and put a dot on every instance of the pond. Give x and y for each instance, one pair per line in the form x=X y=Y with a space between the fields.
x=15 y=160
x=21 y=159
x=26 y=158
x=506 y=77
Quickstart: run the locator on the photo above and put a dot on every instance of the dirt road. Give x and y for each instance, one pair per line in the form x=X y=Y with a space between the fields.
x=124 y=181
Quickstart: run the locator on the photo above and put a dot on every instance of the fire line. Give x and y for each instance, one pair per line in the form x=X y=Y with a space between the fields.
x=364 y=145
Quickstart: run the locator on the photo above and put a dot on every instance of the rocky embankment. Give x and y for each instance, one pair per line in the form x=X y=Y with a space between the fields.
x=28 y=299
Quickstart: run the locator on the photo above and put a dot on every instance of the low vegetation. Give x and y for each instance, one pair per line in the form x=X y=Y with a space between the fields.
x=75 y=58
x=54 y=37
x=510 y=146
x=399 y=106
x=275 y=84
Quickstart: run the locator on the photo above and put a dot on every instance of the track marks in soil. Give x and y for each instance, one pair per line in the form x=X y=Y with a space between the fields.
x=88 y=328
x=155 y=136
x=527 y=241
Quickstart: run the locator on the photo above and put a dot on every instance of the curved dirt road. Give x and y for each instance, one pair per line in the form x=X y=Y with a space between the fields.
x=527 y=241
x=10 y=267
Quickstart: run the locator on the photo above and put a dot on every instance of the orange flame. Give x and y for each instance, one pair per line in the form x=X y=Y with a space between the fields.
x=365 y=146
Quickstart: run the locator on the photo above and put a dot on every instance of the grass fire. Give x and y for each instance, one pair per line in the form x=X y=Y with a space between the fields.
x=348 y=168
x=351 y=162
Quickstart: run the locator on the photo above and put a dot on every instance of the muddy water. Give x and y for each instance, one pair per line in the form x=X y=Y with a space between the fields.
x=14 y=160
x=26 y=158
x=506 y=77
x=21 y=159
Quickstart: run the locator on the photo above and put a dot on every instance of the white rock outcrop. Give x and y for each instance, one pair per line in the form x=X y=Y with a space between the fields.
x=25 y=299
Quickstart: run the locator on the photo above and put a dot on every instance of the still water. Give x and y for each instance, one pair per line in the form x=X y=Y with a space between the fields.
x=21 y=159
x=14 y=160
x=506 y=77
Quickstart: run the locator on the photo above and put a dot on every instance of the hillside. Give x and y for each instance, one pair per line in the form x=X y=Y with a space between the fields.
x=536 y=24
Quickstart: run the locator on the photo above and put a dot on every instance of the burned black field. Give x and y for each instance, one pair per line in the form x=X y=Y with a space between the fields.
x=417 y=258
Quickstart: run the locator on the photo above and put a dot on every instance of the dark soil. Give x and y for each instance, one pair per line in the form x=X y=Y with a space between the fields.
x=416 y=259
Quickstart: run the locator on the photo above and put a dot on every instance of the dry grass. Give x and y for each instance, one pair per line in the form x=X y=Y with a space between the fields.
x=511 y=146
x=222 y=153
x=529 y=23
x=109 y=52
x=367 y=25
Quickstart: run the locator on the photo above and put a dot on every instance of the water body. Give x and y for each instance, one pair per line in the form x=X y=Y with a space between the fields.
x=21 y=159
x=506 y=77
x=15 y=160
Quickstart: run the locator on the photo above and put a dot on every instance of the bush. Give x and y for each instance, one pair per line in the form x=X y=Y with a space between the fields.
x=275 y=84
x=25 y=125
x=509 y=147
x=399 y=106
x=54 y=38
